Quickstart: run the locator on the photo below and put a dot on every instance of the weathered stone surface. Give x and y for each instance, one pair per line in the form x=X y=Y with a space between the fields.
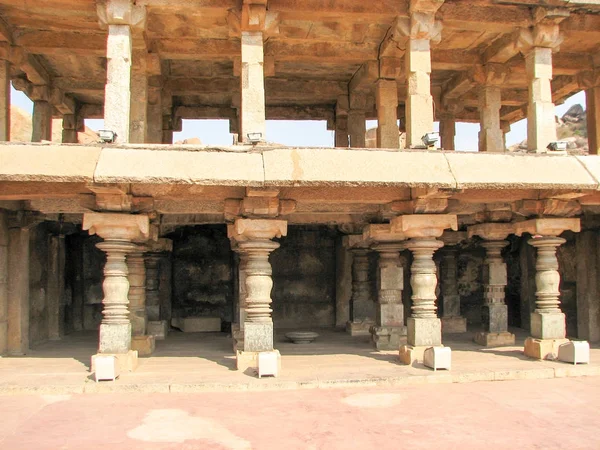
x=494 y=339
x=543 y=348
x=158 y=329
x=197 y=324
x=144 y=345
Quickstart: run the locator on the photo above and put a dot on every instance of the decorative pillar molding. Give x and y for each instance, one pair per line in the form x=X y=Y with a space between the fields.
x=548 y=325
x=421 y=29
x=4 y=92
x=387 y=114
x=119 y=232
x=490 y=78
x=237 y=329
x=452 y=321
x=121 y=17
x=424 y=327
x=389 y=330
x=494 y=311
x=254 y=239
x=362 y=307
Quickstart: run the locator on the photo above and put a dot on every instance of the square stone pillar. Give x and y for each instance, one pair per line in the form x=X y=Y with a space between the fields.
x=424 y=327
x=342 y=138
x=136 y=277
x=357 y=128
x=452 y=321
x=56 y=287
x=155 y=278
x=138 y=123
x=252 y=114
x=154 y=113
x=4 y=100
x=41 y=121
x=3 y=282
x=447 y=132
x=419 y=102
x=491 y=138
x=254 y=238
x=494 y=312
x=588 y=285
x=119 y=232
x=72 y=124
x=387 y=114
x=548 y=325
x=362 y=306
x=541 y=124
x=592 y=99
x=18 y=290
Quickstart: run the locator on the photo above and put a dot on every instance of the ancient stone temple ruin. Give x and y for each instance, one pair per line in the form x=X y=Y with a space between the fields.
x=135 y=236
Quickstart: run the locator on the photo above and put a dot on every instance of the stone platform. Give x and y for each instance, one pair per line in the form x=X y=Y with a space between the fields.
x=190 y=362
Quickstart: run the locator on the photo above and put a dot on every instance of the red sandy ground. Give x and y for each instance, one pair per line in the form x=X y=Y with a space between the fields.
x=536 y=414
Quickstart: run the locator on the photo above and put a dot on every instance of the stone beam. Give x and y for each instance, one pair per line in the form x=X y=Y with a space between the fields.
x=45 y=42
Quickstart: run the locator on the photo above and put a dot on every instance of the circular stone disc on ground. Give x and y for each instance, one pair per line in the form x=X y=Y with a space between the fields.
x=301 y=337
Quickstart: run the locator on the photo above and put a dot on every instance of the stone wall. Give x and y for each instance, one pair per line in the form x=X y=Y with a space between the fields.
x=304 y=274
x=38 y=282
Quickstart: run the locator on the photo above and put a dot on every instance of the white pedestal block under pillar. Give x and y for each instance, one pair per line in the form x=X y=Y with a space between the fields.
x=438 y=358
x=575 y=352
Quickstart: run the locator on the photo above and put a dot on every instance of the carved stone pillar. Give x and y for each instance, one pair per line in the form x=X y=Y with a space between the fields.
x=494 y=310
x=424 y=327
x=452 y=321
x=157 y=326
x=342 y=138
x=254 y=239
x=56 y=286
x=548 y=325
x=119 y=232
x=389 y=330
x=362 y=307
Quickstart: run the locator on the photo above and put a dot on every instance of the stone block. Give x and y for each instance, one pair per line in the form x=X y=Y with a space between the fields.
x=246 y=360
x=391 y=315
x=359 y=328
x=392 y=278
x=575 y=352
x=494 y=339
x=548 y=326
x=453 y=325
x=438 y=358
x=115 y=338
x=197 y=324
x=258 y=337
x=3 y=337
x=388 y=338
x=543 y=348
x=424 y=332
x=495 y=274
x=269 y=363
x=495 y=318
x=106 y=367
x=144 y=345
x=159 y=329
x=410 y=353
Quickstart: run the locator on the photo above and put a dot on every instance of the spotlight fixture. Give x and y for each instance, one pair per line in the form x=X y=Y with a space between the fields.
x=558 y=146
x=254 y=138
x=430 y=139
x=107 y=136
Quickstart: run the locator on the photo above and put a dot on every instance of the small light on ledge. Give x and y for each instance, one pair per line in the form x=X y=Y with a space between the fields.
x=558 y=146
x=254 y=138
x=107 y=136
x=430 y=139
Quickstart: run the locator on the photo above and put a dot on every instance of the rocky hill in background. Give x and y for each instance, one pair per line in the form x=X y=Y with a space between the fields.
x=20 y=128
x=572 y=128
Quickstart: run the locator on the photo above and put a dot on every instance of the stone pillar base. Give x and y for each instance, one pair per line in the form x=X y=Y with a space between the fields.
x=237 y=336
x=258 y=336
x=144 y=345
x=127 y=362
x=424 y=331
x=456 y=324
x=159 y=329
x=249 y=360
x=494 y=339
x=359 y=328
x=388 y=338
x=411 y=353
x=115 y=338
x=543 y=348
x=548 y=325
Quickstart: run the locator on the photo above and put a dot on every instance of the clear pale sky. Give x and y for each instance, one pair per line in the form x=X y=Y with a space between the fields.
x=311 y=133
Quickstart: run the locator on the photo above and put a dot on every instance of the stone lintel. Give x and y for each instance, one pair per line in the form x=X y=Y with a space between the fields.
x=453 y=237
x=382 y=233
x=491 y=231
x=547 y=227
x=424 y=225
x=126 y=227
x=356 y=241
x=257 y=229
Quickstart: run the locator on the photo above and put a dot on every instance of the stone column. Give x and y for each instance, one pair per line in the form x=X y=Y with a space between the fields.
x=237 y=330
x=494 y=311
x=424 y=327
x=157 y=325
x=56 y=287
x=140 y=340
x=154 y=114
x=588 y=284
x=121 y=16
x=548 y=325
x=452 y=321
x=447 y=131
x=152 y=261
x=387 y=114
x=342 y=107
x=253 y=116
x=138 y=124
x=362 y=307
x=69 y=129
x=254 y=238
x=41 y=121
x=4 y=96
x=4 y=245
x=119 y=232
x=592 y=99
x=490 y=137
x=357 y=128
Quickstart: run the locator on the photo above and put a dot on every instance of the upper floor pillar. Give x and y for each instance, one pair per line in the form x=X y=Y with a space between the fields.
x=490 y=77
x=590 y=81
x=4 y=93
